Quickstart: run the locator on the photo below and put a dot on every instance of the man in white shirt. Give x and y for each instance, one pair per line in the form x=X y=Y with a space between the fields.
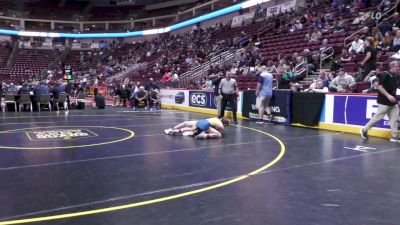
x=343 y=82
x=317 y=86
x=228 y=92
x=357 y=46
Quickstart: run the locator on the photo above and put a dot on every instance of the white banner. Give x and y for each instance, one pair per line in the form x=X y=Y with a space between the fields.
x=238 y=21
x=76 y=45
x=175 y=97
x=274 y=10
x=287 y=6
x=281 y=8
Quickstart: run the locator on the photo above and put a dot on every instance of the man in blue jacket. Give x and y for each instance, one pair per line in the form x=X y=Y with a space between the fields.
x=40 y=90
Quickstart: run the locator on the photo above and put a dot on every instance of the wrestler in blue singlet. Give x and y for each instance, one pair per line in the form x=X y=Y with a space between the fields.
x=202 y=125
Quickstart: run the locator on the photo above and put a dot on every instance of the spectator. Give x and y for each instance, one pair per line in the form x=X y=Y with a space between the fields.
x=152 y=85
x=264 y=94
x=293 y=61
x=359 y=4
x=166 y=77
x=42 y=89
x=308 y=35
x=319 y=24
x=228 y=92
x=396 y=42
x=317 y=86
x=357 y=46
x=372 y=75
x=316 y=36
x=309 y=59
x=59 y=88
x=12 y=88
x=100 y=100
x=377 y=36
x=139 y=97
x=342 y=83
x=362 y=16
x=366 y=32
x=154 y=99
x=324 y=77
x=337 y=26
x=125 y=93
x=25 y=89
x=282 y=66
x=174 y=77
x=373 y=88
x=395 y=20
x=296 y=26
x=117 y=95
x=207 y=84
x=345 y=56
x=384 y=6
x=81 y=98
x=301 y=67
x=385 y=26
x=369 y=62
x=271 y=68
x=386 y=44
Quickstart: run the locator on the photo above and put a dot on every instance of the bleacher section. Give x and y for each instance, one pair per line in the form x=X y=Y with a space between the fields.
x=50 y=9
x=29 y=63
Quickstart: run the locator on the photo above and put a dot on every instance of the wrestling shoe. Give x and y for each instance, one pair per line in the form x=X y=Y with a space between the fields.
x=187 y=133
x=168 y=131
x=260 y=122
x=395 y=139
x=364 y=134
x=201 y=136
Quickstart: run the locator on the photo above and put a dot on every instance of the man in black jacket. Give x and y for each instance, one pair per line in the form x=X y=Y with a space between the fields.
x=152 y=85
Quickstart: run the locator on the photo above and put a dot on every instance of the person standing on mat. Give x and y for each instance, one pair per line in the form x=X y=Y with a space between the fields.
x=264 y=94
x=387 y=102
x=228 y=92
x=216 y=81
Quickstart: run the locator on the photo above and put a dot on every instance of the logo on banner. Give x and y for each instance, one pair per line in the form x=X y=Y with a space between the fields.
x=180 y=97
x=274 y=109
x=198 y=99
x=372 y=109
x=67 y=134
x=376 y=16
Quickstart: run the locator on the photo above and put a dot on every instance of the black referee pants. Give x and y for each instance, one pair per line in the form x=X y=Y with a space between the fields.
x=232 y=99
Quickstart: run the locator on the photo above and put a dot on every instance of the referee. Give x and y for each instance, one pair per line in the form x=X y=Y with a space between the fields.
x=228 y=92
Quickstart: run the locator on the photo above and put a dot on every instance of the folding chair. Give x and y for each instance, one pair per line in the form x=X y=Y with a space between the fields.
x=10 y=99
x=62 y=99
x=25 y=99
x=44 y=99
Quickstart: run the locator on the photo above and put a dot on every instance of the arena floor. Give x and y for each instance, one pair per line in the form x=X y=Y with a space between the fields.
x=116 y=167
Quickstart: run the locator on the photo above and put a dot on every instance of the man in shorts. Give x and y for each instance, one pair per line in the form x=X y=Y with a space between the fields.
x=264 y=94
x=201 y=129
